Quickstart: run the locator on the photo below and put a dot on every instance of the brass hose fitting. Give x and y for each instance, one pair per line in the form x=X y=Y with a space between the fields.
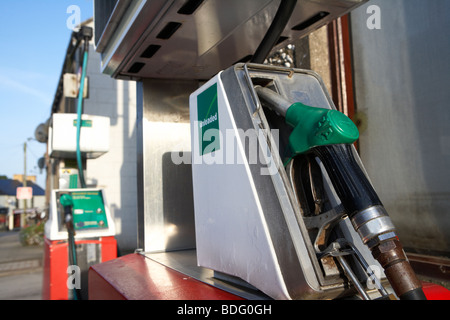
x=398 y=271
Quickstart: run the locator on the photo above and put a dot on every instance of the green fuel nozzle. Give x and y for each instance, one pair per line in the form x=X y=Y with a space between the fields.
x=313 y=126
x=67 y=203
x=66 y=200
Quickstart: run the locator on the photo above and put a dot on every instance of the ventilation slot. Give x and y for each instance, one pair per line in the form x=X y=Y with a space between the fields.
x=136 y=67
x=150 y=51
x=169 y=30
x=310 y=21
x=190 y=7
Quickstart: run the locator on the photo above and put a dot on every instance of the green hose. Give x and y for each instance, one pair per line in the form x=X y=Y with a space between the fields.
x=79 y=123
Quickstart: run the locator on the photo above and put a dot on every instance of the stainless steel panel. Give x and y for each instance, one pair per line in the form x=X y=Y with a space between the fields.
x=107 y=15
x=166 y=218
x=214 y=37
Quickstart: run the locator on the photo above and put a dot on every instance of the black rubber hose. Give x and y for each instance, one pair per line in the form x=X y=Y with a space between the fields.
x=278 y=25
x=416 y=294
x=71 y=245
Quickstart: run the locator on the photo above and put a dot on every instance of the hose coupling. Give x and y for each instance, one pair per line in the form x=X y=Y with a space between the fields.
x=374 y=225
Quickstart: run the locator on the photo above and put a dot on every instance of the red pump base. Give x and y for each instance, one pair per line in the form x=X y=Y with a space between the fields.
x=54 y=284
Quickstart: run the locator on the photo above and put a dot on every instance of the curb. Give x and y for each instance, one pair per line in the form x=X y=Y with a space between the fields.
x=20 y=267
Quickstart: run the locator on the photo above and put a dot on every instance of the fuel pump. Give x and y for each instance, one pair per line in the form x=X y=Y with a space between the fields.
x=283 y=208
x=80 y=231
x=301 y=220
x=319 y=180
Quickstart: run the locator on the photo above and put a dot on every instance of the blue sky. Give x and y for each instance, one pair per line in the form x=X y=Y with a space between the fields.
x=34 y=37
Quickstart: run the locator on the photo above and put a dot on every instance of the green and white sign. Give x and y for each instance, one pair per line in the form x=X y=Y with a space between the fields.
x=208 y=120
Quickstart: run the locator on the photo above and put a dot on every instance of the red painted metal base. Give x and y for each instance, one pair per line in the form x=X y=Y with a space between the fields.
x=54 y=285
x=134 y=277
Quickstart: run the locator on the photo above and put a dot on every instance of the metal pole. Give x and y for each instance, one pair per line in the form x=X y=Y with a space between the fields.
x=24 y=164
x=24 y=183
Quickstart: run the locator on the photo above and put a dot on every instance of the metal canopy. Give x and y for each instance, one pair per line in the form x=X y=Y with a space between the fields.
x=195 y=39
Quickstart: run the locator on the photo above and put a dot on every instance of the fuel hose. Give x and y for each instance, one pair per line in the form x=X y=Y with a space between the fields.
x=80 y=112
x=85 y=34
x=273 y=34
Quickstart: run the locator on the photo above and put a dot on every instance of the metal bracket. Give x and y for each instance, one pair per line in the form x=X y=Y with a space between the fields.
x=341 y=248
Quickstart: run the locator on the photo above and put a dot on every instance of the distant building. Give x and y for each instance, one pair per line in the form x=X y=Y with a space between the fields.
x=12 y=213
x=115 y=171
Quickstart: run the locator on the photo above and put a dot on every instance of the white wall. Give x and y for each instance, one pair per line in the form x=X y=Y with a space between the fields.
x=402 y=87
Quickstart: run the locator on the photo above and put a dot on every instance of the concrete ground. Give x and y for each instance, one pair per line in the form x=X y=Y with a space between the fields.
x=20 y=269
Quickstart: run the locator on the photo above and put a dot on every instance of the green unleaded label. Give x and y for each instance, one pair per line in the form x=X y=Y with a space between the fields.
x=84 y=123
x=208 y=119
